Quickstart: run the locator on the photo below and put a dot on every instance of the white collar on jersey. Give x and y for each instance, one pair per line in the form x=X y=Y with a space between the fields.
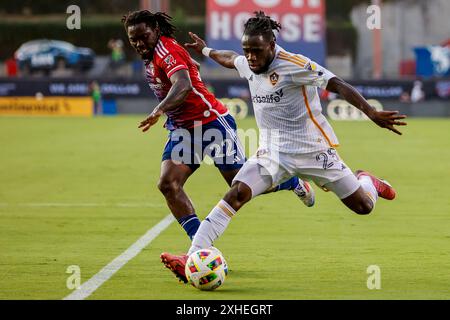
x=277 y=51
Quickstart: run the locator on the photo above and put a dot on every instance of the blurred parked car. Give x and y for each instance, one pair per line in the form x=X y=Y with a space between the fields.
x=46 y=55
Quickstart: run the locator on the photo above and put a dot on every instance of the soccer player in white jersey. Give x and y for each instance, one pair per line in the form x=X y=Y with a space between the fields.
x=295 y=138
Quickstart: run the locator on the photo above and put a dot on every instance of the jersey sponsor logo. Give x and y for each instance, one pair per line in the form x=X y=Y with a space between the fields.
x=280 y=93
x=170 y=60
x=269 y=98
x=274 y=78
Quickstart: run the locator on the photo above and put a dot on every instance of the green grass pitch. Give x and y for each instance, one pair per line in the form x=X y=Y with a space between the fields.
x=81 y=191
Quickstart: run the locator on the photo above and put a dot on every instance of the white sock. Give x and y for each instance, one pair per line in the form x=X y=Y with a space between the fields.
x=212 y=227
x=369 y=188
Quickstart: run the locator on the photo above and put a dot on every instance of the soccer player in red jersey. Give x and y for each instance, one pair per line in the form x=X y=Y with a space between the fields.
x=174 y=78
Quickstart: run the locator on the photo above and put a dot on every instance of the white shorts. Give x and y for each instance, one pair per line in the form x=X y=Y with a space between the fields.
x=268 y=169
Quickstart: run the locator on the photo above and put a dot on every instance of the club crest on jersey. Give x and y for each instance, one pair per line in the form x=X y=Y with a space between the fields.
x=274 y=78
x=170 y=60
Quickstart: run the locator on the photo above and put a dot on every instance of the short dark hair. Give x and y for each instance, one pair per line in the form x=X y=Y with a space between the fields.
x=153 y=20
x=262 y=25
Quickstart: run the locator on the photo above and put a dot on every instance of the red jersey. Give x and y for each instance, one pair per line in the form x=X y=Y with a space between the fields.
x=200 y=105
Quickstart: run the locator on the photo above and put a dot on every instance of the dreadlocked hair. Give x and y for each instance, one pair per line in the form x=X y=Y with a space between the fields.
x=153 y=20
x=261 y=25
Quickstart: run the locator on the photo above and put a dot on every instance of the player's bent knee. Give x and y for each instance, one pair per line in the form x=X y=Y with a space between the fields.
x=168 y=186
x=364 y=208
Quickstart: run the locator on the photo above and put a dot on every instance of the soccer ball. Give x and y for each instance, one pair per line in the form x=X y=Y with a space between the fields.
x=206 y=269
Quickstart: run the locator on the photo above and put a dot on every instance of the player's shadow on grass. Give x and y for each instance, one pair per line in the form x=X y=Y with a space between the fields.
x=228 y=288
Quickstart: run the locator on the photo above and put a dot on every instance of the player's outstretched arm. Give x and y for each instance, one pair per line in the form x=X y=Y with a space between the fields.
x=222 y=57
x=384 y=119
x=181 y=87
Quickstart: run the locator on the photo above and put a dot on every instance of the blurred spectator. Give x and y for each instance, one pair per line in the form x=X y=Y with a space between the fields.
x=405 y=97
x=443 y=89
x=417 y=93
x=61 y=71
x=117 y=53
x=96 y=97
x=11 y=67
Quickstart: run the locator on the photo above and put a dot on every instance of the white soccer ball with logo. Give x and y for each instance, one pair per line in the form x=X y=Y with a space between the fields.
x=206 y=269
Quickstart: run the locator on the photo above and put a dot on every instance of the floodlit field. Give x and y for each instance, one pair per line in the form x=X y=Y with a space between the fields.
x=82 y=191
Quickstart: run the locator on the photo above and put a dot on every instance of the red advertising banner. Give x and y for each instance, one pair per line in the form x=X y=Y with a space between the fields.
x=302 y=21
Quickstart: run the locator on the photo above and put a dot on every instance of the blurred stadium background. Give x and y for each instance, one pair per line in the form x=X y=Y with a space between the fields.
x=79 y=181
x=405 y=65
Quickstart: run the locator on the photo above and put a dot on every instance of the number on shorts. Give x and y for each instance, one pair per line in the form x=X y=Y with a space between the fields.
x=324 y=158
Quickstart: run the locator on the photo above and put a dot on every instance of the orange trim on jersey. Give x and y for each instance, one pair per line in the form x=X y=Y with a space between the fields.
x=314 y=120
x=297 y=60
x=293 y=61
x=287 y=55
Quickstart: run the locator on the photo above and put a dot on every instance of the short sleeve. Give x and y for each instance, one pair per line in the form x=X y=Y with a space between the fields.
x=241 y=66
x=170 y=60
x=312 y=74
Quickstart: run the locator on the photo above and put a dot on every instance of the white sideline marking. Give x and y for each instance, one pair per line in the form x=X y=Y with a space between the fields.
x=88 y=287
x=87 y=205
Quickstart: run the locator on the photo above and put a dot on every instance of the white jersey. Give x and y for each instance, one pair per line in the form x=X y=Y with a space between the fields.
x=287 y=105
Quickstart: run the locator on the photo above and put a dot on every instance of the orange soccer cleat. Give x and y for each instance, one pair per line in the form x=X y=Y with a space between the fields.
x=175 y=264
x=384 y=189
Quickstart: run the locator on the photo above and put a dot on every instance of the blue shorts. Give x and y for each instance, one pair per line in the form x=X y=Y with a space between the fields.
x=216 y=139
